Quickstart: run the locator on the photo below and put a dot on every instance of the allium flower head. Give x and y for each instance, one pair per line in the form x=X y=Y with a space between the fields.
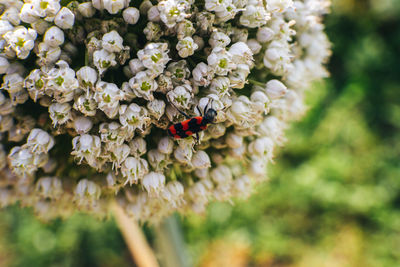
x=90 y=89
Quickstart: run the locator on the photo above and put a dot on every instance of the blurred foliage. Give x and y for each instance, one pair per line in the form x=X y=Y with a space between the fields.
x=78 y=241
x=333 y=198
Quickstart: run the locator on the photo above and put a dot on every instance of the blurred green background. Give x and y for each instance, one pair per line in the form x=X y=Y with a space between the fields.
x=333 y=198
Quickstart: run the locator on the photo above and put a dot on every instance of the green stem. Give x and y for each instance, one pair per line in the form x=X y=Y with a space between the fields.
x=256 y=82
x=170 y=244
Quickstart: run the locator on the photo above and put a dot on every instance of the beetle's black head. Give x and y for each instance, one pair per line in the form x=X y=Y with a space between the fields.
x=210 y=115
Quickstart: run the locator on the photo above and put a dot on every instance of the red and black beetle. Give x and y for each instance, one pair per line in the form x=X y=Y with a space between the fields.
x=192 y=125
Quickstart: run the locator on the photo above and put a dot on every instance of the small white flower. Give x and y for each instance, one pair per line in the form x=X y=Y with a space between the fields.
x=65 y=18
x=49 y=187
x=86 y=9
x=23 y=161
x=216 y=5
x=35 y=84
x=273 y=128
x=13 y=83
x=60 y=113
x=27 y=13
x=48 y=54
x=98 y=4
x=278 y=57
x=153 y=14
x=228 y=13
x=221 y=61
x=156 y=108
x=261 y=101
x=111 y=134
x=202 y=74
x=164 y=84
x=220 y=86
x=87 y=191
x=219 y=39
x=254 y=46
x=20 y=41
x=103 y=60
x=243 y=186
x=54 y=36
x=171 y=12
x=46 y=8
x=153 y=182
x=154 y=56
x=201 y=160
x=145 y=6
x=153 y=31
x=265 y=34
x=143 y=85
x=257 y=168
x=82 y=124
x=173 y=193
x=118 y=154
x=5 y=26
x=138 y=146
x=183 y=154
x=159 y=161
x=238 y=77
x=263 y=147
x=134 y=169
x=234 y=140
x=279 y=5
x=241 y=53
x=178 y=71
x=112 y=42
x=39 y=141
x=184 y=29
x=135 y=66
x=254 y=16
x=108 y=96
x=86 y=104
x=133 y=117
x=180 y=97
x=241 y=113
x=114 y=6
x=62 y=82
x=87 y=77
x=131 y=15
x=86 y=147
x=240 y=35
x=186 y=47
x=221 y=175
x=11 y=14
x=216 y=130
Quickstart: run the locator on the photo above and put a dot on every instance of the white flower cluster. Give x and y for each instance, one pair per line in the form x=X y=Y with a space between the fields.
x=90 y=88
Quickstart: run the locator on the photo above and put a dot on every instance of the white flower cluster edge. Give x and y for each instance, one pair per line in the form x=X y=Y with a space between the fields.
x=107 y=75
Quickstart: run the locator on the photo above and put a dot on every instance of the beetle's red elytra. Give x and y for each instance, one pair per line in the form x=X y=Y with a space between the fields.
x=192 y=125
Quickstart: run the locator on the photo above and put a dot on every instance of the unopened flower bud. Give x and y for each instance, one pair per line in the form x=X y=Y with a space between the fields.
x=131 y=15
x=201 y=160
x=65 y=18
x=54 y=36
x=86 y=9
x=275 y=89
x=166 y=145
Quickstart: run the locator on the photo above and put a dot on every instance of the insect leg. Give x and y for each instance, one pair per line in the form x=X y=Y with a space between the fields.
x=180 y=111
x=197 y=138
x=205 y=108
x=198 y=109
